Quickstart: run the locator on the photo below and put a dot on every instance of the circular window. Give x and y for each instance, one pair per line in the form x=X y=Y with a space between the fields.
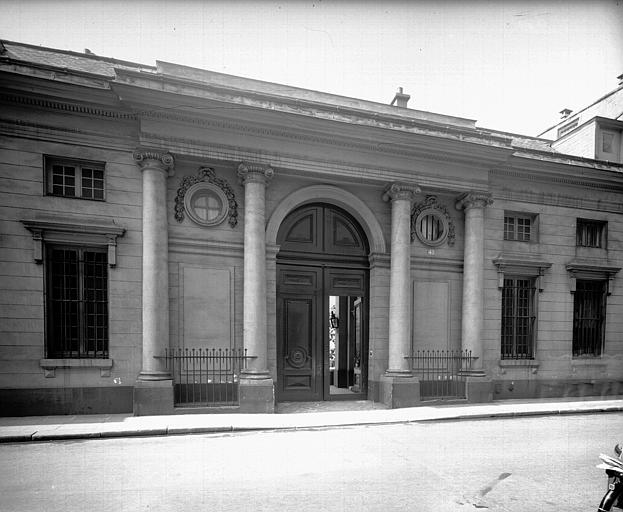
x=431 y=227
x=206 y=204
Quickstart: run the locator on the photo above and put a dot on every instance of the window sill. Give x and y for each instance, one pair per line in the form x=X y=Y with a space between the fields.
x=50 y=365
x=532 y=364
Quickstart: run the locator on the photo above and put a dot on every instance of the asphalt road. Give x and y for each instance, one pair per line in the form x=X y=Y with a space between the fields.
x=537 y=463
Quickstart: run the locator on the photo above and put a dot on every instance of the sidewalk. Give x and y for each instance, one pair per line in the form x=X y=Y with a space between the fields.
x=44 y=428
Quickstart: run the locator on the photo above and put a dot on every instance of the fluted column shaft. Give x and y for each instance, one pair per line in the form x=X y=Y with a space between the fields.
x=156 y=168
x=255 y=179
x=473 y=274
x=401 y=197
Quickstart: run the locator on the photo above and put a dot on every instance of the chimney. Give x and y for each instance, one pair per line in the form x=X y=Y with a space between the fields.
x=564 y=113
x=400 y=99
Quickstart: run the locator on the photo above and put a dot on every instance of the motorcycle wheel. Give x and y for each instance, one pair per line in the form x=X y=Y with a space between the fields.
x=608 y=501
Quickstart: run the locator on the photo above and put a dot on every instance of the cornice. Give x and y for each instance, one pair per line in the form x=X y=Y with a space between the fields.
x=62 y=223
x=262 y=100
x=63 y=106
x=536 y=160
x=599 y=181
x=290 y=165
x=579 y=266
x=556 y=199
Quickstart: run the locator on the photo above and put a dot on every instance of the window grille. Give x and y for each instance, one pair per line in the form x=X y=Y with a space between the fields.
x=431 y=227
x=75 y=178
x=517 y=228
x=77 y=305
x=518 y=318
x=589 y=315
x=590 y=233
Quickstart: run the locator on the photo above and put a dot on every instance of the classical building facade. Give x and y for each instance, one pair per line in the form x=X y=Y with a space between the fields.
x=174 y=237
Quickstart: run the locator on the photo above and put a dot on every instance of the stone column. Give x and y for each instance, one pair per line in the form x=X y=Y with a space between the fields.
x=474 y=205
x=399 y=387
x=256 y=384
x=153 y=392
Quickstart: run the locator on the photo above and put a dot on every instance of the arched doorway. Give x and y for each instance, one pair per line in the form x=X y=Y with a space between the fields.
x=322 y=305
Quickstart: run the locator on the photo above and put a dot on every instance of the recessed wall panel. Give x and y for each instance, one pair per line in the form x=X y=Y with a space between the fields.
x=207 y=310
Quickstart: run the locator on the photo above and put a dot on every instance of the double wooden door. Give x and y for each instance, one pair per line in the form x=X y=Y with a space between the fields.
x=305 y=357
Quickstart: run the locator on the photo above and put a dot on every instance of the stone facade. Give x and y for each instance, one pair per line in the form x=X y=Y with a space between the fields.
x=200 y=172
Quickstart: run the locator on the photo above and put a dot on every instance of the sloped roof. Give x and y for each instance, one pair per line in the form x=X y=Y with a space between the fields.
x=73 y=61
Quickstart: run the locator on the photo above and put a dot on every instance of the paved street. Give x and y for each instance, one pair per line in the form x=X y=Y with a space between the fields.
x=544 y=463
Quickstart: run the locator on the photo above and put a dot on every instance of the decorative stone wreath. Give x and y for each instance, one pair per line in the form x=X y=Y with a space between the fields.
x=206 y=183
x=430 y=212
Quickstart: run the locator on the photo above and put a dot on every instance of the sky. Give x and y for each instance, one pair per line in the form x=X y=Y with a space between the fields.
x=509 y=65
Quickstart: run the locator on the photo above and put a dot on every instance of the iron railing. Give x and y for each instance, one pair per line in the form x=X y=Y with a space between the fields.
x=441 y=372
x=206 y=377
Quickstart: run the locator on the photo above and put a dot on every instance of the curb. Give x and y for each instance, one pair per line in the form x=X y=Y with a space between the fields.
x=181 y=430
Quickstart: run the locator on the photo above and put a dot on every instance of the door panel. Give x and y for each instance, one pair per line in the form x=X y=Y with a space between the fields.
x=342 y=281
x=299 y=339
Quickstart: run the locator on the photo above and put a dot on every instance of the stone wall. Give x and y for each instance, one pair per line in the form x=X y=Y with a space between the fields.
x=22 y=309
x=557 y=373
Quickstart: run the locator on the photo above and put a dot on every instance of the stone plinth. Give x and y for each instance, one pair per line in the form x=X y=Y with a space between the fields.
x=256 y=395
x=153 y=397
x=397 y=392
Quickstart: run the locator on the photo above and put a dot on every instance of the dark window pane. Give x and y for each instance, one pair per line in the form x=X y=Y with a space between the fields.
x=77 y=303
x=518 y=319
x=590 y=233
x=589 y=314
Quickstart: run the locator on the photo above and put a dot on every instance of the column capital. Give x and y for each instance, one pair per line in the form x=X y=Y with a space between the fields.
x=396 y=191
x=473 y=200
x=153 y=159
x=254 y=173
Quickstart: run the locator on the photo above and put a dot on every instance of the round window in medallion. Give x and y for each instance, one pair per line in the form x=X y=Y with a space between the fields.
x=431 y=227
x=206 y=204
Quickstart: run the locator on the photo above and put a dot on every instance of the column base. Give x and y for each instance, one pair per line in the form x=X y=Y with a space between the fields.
x=256 y=394
x=153 y=397
x=398 y=392
x=478 y=387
